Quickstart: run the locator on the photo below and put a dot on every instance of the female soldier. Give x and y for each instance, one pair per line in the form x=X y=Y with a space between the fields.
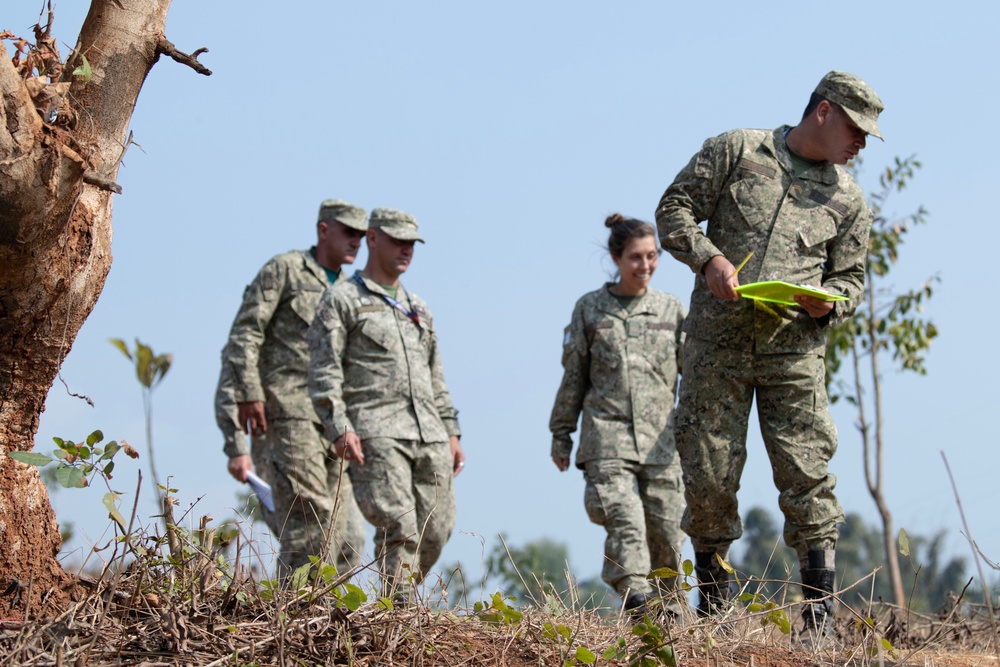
x=621 y=357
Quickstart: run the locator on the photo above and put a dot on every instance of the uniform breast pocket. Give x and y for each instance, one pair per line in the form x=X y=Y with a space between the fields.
x=606 y=344
x=755 y=197
x=819 y=227
x=304 y=302
x=373 y=333
x=659 y=343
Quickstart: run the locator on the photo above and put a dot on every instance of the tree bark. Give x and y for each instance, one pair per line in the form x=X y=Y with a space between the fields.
x=55 y=253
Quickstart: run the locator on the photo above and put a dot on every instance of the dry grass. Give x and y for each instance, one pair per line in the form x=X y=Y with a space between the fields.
x=222 y=629
x=178 y=603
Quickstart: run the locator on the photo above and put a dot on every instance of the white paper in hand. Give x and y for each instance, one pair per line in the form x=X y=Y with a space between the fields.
x=262 y=489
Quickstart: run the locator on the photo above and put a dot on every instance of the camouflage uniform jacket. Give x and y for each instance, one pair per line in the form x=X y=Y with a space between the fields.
x=266 y=357
x=375 y=371
x=811 y=230
x=234 y=440
x=620 y=370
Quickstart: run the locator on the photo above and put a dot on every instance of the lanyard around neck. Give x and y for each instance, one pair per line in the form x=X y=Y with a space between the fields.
x=412 y=314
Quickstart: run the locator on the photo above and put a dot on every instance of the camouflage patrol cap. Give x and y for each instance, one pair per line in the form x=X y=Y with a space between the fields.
x=334 y=210
x=397 y=224
x=855 y=97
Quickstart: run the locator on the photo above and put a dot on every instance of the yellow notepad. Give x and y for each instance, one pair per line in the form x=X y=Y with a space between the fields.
x=777 y=291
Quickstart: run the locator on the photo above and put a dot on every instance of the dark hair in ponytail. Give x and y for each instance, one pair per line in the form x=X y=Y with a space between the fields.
x=624 y=230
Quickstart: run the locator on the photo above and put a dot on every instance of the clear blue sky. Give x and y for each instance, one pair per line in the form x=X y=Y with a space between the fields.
x=510 y=130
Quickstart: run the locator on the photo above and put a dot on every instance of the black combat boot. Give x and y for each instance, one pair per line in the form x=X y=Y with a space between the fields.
x=713 y=584
x=635 y=604
x=817 y=583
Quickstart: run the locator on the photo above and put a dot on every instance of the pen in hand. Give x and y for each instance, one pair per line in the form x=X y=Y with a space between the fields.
x=743 y=263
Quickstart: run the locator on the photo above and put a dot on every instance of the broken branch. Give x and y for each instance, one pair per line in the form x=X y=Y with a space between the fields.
x=166 y=47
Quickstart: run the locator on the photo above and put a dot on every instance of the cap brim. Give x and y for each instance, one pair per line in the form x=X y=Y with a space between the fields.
x=869 y=126
x=404 y=236
x=359 y=226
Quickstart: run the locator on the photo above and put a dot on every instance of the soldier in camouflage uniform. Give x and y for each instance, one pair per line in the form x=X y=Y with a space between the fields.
x=376 y=380
x=621 y=357
x=782 y=195
x=262 y=391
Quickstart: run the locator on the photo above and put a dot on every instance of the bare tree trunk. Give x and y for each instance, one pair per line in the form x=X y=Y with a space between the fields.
x=874 y=478
x=55 y=253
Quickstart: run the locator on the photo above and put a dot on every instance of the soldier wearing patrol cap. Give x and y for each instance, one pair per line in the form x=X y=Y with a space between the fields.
x=376 y=381
x=262 y=393
x=782 y=195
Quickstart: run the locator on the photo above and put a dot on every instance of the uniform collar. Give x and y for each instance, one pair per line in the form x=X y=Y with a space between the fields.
x=609 y=303
x=309 y=261
x=777 y=147
x=373 y=286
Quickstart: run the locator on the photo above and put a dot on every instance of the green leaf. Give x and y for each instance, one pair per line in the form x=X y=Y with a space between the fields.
x=663 y=573
x=904 y=543
x=354 y=598
x=31 y=458
x=108 y=468
x=780 y=619
x=109 y=502
x=357 y=592
x=84 y=69
x=300 y=577
x=120 y=344
x=725 y=566
x=385 y=603
x=585 y=655
x=70 y=477
x=617 y=651
x=95 y=437
x=666 y=656
x=328 y=572
x=688 y=567
x=109 y=451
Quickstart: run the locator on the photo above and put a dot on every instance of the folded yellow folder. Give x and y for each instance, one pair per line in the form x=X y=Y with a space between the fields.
x=777 y=291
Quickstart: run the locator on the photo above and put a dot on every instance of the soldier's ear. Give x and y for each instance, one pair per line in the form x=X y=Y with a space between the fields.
x=824 y=111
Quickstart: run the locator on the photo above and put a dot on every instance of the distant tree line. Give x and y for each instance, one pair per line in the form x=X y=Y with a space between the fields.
x=539 y=572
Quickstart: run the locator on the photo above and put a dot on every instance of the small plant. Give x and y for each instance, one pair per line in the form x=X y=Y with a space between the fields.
x=668 y=573
x=497 y=611
x=770 y=611
x=80 y=462
x=564 y=634
x=150 y=369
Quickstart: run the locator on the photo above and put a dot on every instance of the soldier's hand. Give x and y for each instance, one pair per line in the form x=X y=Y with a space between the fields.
x=239 y=466
x=815 y=307
x=348 y=447
x=457 y=455
x=562 y=462
x=720 y=274
x=251 y=414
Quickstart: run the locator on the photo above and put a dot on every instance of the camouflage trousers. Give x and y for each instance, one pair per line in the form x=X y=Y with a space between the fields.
x=710 y=427
x=315 y=513
x=640 y=507
x=405 y=489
